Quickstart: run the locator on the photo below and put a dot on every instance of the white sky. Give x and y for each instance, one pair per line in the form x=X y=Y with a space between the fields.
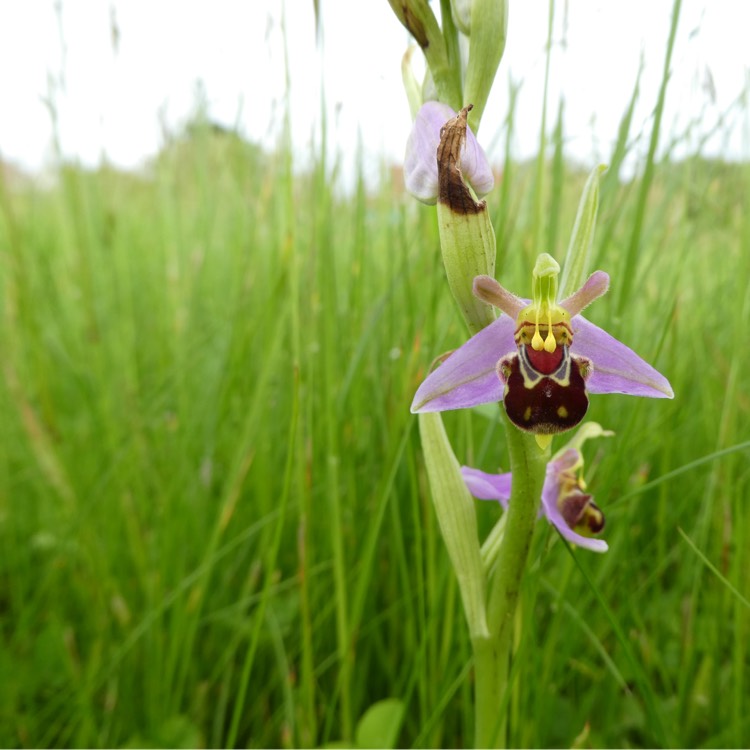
x=114 y=102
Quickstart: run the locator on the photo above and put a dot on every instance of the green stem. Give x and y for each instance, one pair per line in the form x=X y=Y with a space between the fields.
x=492 y=654
x=490 y=677
x=450 y=37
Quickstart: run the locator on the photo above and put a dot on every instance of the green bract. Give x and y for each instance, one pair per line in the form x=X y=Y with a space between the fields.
x=489 y=27
x=455 y=512
x=575 y=268
x=467 y=238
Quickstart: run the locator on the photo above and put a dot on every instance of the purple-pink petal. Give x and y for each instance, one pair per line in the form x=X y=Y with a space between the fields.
x=468 y=377
x=594 y=287
x=420 y=162
x=550 y=493
x=487 y=486
x=617 y=369
x=475 y=167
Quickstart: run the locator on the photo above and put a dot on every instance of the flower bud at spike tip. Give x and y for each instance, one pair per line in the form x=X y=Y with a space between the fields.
x=419 y=20
x=416 y=17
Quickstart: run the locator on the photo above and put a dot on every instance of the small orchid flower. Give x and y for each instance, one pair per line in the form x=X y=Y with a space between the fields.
x=542 y=359
x=564 y=501
x=421 y=164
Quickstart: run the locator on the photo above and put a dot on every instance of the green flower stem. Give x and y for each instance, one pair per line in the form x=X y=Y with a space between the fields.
x=452 y=51
x=492 y=655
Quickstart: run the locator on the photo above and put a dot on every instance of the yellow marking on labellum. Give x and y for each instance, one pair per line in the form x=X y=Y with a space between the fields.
x=543 y=440
x=562 y=412
x=527 y=414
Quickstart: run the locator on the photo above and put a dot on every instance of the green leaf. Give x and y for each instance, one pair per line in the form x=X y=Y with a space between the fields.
x=489 y=28
x=456 y=516
x=576 y=265
x=177 y=731
x=380 y=724
x=412 y=87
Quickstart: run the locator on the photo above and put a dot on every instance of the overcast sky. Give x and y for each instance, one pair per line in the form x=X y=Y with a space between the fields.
x=116 y=72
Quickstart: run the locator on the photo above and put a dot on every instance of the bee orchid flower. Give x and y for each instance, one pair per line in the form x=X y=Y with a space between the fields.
x=565 y=502
x=542 y=359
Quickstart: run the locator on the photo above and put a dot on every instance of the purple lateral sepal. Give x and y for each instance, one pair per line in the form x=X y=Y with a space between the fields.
x=487 y=486
x=617 y=368
x=468 y=376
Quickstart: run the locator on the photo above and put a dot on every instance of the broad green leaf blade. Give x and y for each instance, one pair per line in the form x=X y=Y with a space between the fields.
x=380 y=724
x=456 y=516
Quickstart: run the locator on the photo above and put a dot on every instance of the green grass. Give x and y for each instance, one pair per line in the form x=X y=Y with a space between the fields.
x=215 y=521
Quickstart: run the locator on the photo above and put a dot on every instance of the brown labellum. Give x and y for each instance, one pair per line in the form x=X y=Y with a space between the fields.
x=544 y=402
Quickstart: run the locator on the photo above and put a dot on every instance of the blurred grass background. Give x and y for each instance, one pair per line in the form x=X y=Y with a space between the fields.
x=214 y=519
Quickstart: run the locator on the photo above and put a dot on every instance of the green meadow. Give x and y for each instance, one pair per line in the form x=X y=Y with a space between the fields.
x=215 y=522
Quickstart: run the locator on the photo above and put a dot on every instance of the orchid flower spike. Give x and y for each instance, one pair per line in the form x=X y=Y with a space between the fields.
x=565 y=502
x=540 y=358
x=420 y=162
